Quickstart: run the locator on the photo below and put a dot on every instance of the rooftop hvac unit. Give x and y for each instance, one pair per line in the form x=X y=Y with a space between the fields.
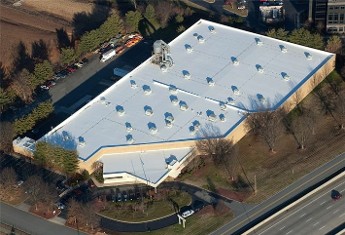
x=129 y=127
x=235 y=90
x=168 y=123
x=147 y=89
x=235 y=61
x=259 y=42
x=196 y=124
x=161 y=55
x=201 y=39
x=261 y=98
x=211 y=116
x=129 y=139
x=173 y=89
x=186 y=74
x=259 y=68
x=192 y=130
x=285 y=76
x=152 y=127
x=189 y=48
x=222 y=105
x=174 y=99
x=230 y=101
x=133 y=84
x=222 y=118
x=308 y=56
x=212 y=29
x=65 y=135
x=148 y=110
x=81 y=141
x=283 y=48
x=210 y=81
x=103 y=100
x=120 y=110
x=183 y=105
x=169 y=117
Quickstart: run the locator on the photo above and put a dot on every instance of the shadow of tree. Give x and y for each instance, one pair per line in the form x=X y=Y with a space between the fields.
x=240 y=184
x=22 y=59
x=39 y=51
x=83 y=22
x=63 y=40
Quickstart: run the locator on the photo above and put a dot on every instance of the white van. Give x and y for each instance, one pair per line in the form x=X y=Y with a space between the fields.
x=108 y=55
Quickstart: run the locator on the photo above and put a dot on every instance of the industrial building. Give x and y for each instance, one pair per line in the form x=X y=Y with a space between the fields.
x=144 y=127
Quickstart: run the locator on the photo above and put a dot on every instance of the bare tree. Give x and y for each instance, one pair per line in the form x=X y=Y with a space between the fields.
x=334 y=44
x=74 y=210
x=33 y=187
x=164 y=11
x=339 y=109
x=222 y=151
x=303 y=128
x=48 y=196
x=6 y=133
x=20 y=84
x=89 y=217
x=8 y=178
x=267 y=124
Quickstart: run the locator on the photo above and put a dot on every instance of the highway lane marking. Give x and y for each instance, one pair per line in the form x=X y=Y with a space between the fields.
x=302 y=215
x=316 y=224
x=289 y=232
x=342 y=215
x=322 y=227
x=294 y=190
x=329 y=207
x=323 y=202
x=298 y=210
x=308 y=220
x=335 y=211
x=282 y=228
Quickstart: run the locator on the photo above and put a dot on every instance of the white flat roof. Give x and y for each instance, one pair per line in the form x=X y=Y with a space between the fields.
x=148 y=165
x=268 y=72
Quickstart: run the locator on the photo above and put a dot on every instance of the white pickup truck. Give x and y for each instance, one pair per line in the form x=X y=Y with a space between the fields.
x=108 y=55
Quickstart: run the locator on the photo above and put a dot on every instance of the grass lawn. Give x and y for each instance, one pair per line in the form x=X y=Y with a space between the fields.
x=274 y=171
x=234 y=10
x=154 y=210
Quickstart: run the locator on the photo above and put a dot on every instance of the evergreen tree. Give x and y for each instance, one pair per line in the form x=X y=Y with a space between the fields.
x=42 y=72
x=132 y=20
x=70 y=162
x=334 y=44
x=305 y=38
x=68 y=55
x=280 y=34
x=111 y=27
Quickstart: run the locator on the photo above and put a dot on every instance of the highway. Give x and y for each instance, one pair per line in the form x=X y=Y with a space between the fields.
x=291 y=193
x=317 y=214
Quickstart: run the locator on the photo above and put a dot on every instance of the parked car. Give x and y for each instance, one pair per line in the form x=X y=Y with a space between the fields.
x=187 y=213
x=119 y=197
x=131 y=195
x=125 y=196
x=19 y=183
x=61 y=74
x=48 y=84
x=71 y=69
x=60 y=206
x=79 y=64
x=336 y=195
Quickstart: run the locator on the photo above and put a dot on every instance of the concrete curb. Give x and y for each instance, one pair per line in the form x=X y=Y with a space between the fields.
x=294 y=203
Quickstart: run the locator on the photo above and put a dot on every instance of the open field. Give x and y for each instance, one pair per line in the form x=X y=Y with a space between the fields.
x=35 y=20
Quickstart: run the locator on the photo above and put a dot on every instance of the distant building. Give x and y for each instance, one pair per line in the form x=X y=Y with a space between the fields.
x=272 y=12
x=328 y=15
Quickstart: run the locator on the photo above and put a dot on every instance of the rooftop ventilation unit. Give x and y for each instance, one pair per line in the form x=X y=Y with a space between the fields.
x=161 y=55
x=283 y=48
x=261 y=98
x=196 y=124
x=173 y=89
x=65 y=135
x=81 y=141
x=129 y=139
x=120 y=110
x=174 y=99
x=189 y=48
x=210 y=81
x=308 y=56
x=148 y=110
x=133 y=84
x=235 y=90
x=235 y=61
x=259 y=68
x=129 y=127
x=230 y=100
x=285 y=76
x=259 y=42
x=192 y=130
x=183 y=105
x=212 y=29
x=200 y=38
x=168 y=123
x=222 y=105
x=152 y=127
x=169 y=117
x=211 y=116
x=147 y=89
x=103 y=100
x=222 y=118
x=186 y=74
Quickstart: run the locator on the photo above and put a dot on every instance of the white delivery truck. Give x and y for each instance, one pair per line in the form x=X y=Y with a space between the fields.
x=108 y=55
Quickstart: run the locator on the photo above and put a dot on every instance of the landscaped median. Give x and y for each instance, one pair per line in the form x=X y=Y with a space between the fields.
x=167 y=203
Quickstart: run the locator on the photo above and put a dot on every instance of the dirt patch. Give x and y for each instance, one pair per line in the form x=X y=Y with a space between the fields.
x=42 y=211
x=236 y=196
